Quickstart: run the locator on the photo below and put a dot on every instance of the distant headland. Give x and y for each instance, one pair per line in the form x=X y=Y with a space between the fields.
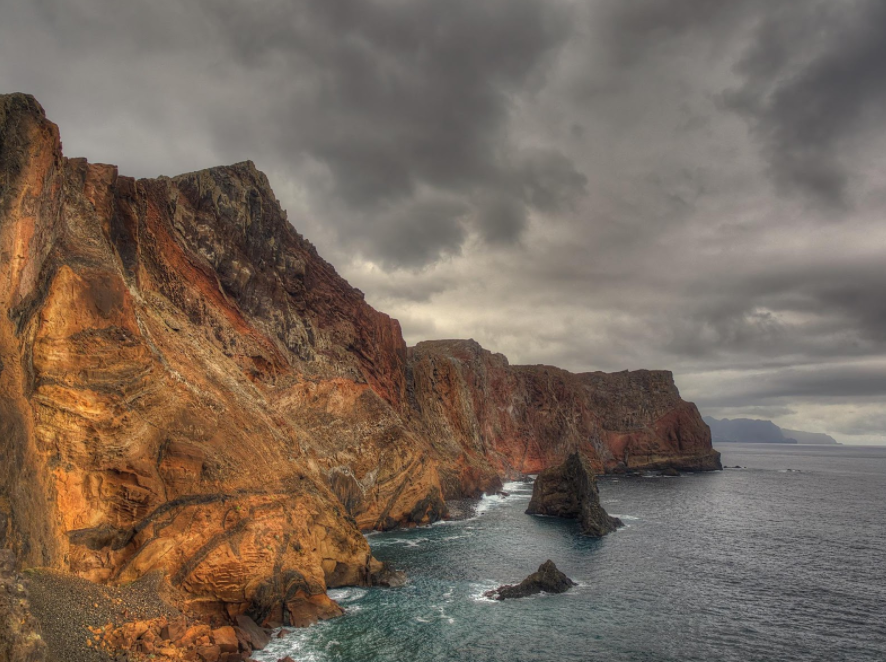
x=757 y=431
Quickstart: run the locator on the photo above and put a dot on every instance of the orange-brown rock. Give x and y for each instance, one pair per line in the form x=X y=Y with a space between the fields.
x=186 y=386
x=491 y=418
x=181 y=377
x=155 y=640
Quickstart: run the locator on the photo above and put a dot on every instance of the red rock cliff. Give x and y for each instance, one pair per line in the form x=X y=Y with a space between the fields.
x=491 y=417
x=186 y=386
x=183 y=381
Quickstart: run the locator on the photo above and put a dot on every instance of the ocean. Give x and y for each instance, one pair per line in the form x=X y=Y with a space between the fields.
x=783 y=559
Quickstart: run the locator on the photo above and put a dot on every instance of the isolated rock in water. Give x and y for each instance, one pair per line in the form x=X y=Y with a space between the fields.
x=570 y=491
x=546 y=579
x=670 y=472
x=382 y=574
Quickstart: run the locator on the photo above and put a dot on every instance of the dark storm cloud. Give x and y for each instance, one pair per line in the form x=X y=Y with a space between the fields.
x=813 y=87
x=832 y=307
x=416 y=234
x=399 y=103
x=634 y=28
x=848 y=383
x=394 y=97
x=605 y=185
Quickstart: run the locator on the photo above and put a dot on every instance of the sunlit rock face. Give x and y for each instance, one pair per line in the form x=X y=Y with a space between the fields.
x=186 y=386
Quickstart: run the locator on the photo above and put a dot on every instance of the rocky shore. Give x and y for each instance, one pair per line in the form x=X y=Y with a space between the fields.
x=187 y=388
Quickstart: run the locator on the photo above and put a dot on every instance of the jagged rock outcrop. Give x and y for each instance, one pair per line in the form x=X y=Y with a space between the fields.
x=570 y=491
x=186 y=386
x=547 y=579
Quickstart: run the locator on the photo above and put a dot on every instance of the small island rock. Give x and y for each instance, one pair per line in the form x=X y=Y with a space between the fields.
x=547 y=579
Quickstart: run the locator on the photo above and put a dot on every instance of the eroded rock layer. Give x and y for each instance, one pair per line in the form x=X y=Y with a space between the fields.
x=186 y=386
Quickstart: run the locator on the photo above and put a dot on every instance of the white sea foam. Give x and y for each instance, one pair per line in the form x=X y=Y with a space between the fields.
x=291 y=644
x=477 y=591
x=456 y=537
x=488 y=501
x=515 y=486
x=347 y=595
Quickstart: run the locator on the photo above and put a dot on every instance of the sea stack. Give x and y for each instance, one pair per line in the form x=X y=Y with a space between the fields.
x=570 y=491
x=547 y=579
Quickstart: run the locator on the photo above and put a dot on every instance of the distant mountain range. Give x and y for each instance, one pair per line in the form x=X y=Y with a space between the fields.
x=749 y=430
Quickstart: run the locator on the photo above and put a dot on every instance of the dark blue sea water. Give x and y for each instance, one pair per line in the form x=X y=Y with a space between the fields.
x=782 y=560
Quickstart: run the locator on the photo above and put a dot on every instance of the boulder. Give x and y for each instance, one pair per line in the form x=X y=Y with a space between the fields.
x=258 y=638
x=382 y=574
x=208 y=653
x=547 y=579
x=570 y=491
x=226 y=639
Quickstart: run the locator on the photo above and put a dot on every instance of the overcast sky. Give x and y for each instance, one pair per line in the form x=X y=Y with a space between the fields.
x=682 y=184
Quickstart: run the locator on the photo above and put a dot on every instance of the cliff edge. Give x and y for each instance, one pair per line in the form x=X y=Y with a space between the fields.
x=187 y=386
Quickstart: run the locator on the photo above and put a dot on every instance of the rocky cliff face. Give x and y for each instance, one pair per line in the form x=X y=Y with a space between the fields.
x=512 y=420
x=186 y=386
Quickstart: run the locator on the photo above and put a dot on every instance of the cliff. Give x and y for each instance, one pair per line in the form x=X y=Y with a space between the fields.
x=513 y=420
x=186 y=386
x=746 y=430
x=752 y=430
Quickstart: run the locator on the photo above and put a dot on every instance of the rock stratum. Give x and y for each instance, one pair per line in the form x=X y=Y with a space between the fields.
x=187 y=386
